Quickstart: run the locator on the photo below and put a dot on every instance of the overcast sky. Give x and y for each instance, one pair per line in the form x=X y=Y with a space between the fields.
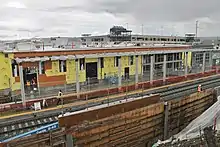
x=43 y=18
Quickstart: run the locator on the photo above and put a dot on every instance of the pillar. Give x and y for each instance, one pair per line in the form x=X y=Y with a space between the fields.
x=186 y=64
x=136 y=69
x=164 y=67
x=40 y=68
x=69 y=140
x=203 y=63
x=77 y=76
x=151 y=69
x=22 y=86
x=16 y=71
x=142 y=65
x=210 y=60
x=99 y=69
x=119 y=72
x=166 y=115
x=62 y=69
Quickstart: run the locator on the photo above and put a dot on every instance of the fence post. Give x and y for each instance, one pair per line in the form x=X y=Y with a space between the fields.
x=69 y=140
x=166 y=115
x=22 y=86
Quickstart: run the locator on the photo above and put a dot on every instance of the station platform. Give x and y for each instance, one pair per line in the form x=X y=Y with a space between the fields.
x=70 y=100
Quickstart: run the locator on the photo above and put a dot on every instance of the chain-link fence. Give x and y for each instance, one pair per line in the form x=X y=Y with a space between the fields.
x=45 y=88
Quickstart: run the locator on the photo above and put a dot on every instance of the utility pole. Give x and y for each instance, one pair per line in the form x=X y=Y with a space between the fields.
x=142 y=29
x=197 y=29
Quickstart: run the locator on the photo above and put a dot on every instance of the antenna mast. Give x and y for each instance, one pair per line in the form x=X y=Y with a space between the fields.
x=197 y=29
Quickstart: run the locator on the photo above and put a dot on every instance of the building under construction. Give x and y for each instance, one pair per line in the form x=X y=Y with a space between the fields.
x=124 y=96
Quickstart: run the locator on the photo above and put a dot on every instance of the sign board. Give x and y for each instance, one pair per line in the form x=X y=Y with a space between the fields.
x=43 y=129
x=37 y=106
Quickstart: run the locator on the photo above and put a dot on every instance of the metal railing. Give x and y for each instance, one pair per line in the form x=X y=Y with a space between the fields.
x=110 y=80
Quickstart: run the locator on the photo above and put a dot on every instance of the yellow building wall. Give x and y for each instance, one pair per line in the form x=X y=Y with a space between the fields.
x=55 y=71
x=6 y=78
x=189 y=58
x=110 y=70
x=70 y=73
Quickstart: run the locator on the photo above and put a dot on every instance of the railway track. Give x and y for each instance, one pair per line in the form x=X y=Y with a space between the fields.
x=9 y=129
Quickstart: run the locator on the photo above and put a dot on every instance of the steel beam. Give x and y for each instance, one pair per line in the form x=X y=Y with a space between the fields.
x=136 y=69
x=151 y=68
x=22 y=85
x=186 y=64
x=164 y=68
x=77 y=76
x=203 y=63
x=119 y=72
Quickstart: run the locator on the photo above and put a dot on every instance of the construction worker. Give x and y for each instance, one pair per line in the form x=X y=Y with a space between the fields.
x=28 y=85
x=199 y=89
x=59 y=97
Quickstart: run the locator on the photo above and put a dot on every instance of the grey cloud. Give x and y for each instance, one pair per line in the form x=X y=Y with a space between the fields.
x=149 y=10
x=73 y=17
x=30 y=30
x=160 y=10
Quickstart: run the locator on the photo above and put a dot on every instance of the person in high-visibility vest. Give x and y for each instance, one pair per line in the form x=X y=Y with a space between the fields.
x=199 y=88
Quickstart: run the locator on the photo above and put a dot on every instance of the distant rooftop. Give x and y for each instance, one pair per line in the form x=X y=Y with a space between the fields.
x=108 y=46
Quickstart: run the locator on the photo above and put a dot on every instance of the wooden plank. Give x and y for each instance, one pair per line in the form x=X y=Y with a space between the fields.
x=71 y=120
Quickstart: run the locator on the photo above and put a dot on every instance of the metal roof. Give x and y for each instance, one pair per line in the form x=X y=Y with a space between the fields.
x=71 y=57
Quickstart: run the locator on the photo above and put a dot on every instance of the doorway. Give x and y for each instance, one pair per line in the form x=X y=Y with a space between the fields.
x=91 y=73
x=126 y=73
x=30 y=79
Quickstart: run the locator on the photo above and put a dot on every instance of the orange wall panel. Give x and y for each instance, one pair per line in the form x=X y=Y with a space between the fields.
x=48 y=65
x=45 y=81
x=30 y=64
x=17 y=79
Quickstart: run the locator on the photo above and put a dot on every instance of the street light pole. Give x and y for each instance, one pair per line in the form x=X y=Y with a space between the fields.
x=142 y=29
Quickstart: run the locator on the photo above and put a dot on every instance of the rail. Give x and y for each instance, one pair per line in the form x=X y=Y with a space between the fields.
x=174 y=91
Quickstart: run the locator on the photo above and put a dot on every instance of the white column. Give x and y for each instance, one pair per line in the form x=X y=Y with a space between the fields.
x=164 y=67
x=142 y=65
x=151 y=68
x=62 y=63
x=40 y=68
x=136 y=69
x=77 y=76
x=186 y=64
x=210 y=60
x=16 y=71
x=119 y=72
x=22 y=85
x=203 y=63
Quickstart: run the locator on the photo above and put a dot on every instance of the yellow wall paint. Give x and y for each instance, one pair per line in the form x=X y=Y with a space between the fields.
x=109 y=69
x=89 y=60
x=189 y=58
x=55 y=71
x=70 y=73
x=7 y=81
